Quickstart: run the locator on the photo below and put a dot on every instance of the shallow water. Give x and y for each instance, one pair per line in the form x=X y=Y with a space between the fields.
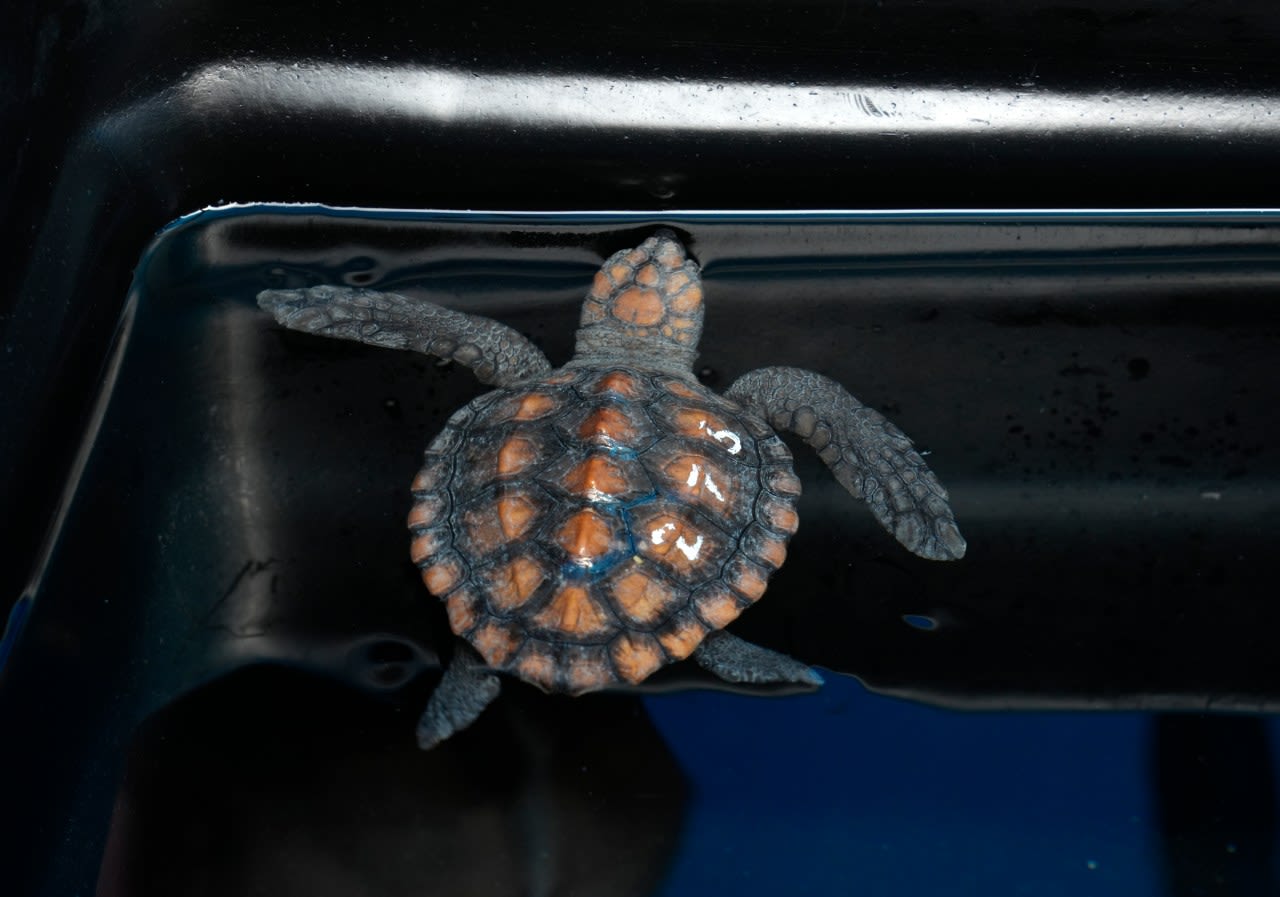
x=849 y=792
x=1095 y=391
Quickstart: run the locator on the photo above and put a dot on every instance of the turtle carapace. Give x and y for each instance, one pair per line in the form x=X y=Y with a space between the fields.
x=587 y=525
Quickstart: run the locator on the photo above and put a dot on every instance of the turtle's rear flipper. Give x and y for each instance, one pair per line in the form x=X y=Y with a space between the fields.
x=465 y=690
x=735 y=660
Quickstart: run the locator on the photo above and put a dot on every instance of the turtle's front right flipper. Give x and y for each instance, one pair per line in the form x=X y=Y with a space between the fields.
x=499 y=355
x=869 y=456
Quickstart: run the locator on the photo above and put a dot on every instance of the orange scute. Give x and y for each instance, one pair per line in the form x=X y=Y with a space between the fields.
x=783 y=481
x=638 y=306
x=462 y=609
x=676 y=388
x=573 y=612
x=442 y=577
x=636 y=655
x=780 y=515
x=586 y=536
x=607 y=424
x=648 y=275
x=422 y=514
x=693 y=422
x=620 y=383
x=642 y=598
x=601 y=286
x=537 y=667
x=687 y=302
x=516 y=454
x=587 y=671
x=682 y=638
x=495 y=643
x=670 y=256
x=482 y=528
x=533 y=406
x=675 y=541
x=747 y=581
x=620 y=273
x=718 y=607
x=429 y=477
x=514 y=514
x=692 y=477
x=512 y=584
x=596 y=475
x=772 y=552
x=423 y=547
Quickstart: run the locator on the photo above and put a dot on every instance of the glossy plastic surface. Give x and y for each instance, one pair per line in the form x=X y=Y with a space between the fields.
x=1120 y=555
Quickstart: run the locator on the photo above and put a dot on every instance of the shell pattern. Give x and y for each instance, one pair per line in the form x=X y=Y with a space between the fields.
x=590 y=527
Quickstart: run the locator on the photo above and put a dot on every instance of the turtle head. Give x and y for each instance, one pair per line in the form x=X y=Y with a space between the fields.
x=645 y=307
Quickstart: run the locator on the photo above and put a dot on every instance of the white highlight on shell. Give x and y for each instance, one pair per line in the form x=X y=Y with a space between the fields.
x=690 y=551
x=712 y=487
x=707 y=482
x=735 y=442
x=659 y=535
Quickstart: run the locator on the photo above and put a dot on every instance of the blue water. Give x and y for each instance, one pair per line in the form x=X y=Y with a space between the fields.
x=847 y=792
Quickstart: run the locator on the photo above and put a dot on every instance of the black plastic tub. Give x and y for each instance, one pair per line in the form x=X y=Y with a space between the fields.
x=1043 y=240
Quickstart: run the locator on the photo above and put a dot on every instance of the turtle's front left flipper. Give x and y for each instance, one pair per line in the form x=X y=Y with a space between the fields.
x=499 y=355
x=869 y=456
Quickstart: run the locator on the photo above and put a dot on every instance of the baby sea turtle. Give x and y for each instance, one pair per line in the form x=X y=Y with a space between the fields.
x=588 y=525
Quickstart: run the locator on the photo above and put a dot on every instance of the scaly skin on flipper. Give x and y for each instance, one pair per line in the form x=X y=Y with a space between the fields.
x=736 y=660
x=499 y=355
x=465 y=690
x=869 y=456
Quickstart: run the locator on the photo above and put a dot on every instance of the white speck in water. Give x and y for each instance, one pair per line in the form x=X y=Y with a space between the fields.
x=1091 y=865
x=690 y=551
x=732 y=438
x=1211 y=496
